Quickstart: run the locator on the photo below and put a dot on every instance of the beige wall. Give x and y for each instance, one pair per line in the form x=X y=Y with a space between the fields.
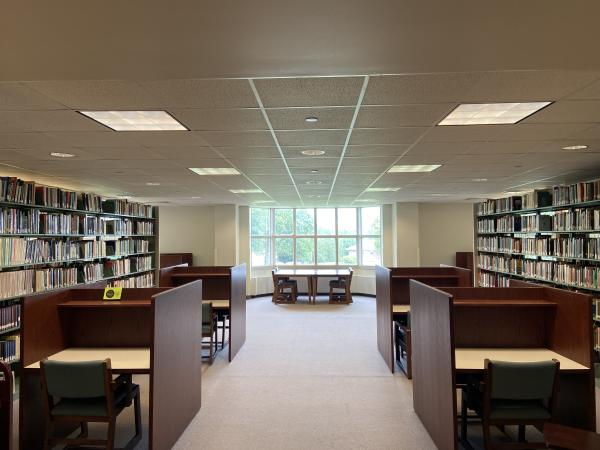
x=444 y=229
x=188 y=229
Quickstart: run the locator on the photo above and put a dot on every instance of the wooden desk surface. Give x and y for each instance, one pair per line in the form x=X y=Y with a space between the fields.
x=313 y=272
x=419 y=276
x=123 y=360
x=400 y=309
x=106 y=304
x=218 y=304
x=199 y=275
x=472 y=359
x=526 y=303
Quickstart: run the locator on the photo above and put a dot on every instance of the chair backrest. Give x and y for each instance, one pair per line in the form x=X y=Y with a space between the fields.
x=86 y=379
x=521 y=381
x=350 y=277
x=206 y=313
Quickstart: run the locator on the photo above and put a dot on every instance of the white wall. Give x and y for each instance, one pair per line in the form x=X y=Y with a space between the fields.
x=188 y=229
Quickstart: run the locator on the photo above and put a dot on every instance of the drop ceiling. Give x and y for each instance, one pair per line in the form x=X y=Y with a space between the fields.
x=243 y=76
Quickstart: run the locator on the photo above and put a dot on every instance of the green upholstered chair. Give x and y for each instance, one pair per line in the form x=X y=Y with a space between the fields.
x=343 y=283
x=209 y=330
x=513 y=394
x=83 y=392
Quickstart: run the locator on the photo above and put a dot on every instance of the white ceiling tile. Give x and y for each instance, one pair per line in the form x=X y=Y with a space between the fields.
x=377 y=150
x=325 y=91
x=568 y=111
x=311 y=137
x=237 y=138
x=57 y=120
x=97 y=94
x=375 y=136
x=221 y=119
x=194 y=93
x=294 y=118
x=17 y=96
x=403 y=115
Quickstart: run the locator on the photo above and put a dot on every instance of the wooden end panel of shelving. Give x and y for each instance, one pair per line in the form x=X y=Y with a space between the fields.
x=237 y=310
x=383 y=299
x=433 y=367
x=176 y=364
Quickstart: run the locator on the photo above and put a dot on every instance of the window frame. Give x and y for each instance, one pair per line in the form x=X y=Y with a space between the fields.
x=358 y=237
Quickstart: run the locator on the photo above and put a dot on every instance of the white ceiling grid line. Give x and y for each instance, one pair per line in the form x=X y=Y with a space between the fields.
x=359 y=101
x=266 y=116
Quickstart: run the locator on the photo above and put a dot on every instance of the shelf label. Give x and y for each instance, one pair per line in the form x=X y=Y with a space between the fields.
x=112 y=293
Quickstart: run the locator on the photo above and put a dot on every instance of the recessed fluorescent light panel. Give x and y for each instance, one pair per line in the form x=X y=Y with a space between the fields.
x=388 y=189
x=135 y=120
x=246 y=191
x=414 y=168
x=370 y=200
x=62 y=155
x=575 y=147
x=491 y=113
x=264 y=201
x=214 y=170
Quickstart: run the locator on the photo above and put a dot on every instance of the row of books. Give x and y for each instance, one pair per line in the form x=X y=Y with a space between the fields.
x=55 y=197
x=118 y=206
x=558 y=196
x=596 y=309
x=127 y=246
x=140 y=281
x=576 y=193
x=597 y=338
x=488 y=279
x=10 y=316
x=500 y=263
x=15 y=190
x=503 y=244
x=17 y=283
x=10 y=348
x=125 y=266
x=577 y=219
x=54 y=278
x=17 y=221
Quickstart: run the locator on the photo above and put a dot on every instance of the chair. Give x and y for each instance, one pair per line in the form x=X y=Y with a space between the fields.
x=403 y=342
x=85 y=392
x=563 y=437
x=209 y=330
x=512 y=394
x=223 y=325
x=280 y=284
x=341 y=283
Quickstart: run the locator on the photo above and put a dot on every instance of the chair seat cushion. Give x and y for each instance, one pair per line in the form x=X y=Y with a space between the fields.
x=206 y=329
x=519 y=410
x=287 y=283
x=337 y=284
x=95 y=407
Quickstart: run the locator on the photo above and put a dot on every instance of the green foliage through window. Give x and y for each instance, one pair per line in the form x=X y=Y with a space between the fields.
x=315 y=236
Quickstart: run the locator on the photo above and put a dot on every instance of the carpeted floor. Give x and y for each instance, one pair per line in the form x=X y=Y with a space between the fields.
x=309 y=377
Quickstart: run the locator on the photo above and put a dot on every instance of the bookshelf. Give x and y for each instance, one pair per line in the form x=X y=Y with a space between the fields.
x=53 y=238
x=549 y=236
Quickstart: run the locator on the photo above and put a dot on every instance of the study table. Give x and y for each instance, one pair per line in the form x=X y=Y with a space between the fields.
x=455 y=329
x=392 y=291
x=122 y=360
x=150 y=331
x=312 y=277
x=224 y=287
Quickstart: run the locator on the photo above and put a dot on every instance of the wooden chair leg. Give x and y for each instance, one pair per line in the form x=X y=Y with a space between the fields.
x=110 y=439
x=521 y=436
x=48 y=432
x=84 y=429
x=487 y=442
x=463 y=417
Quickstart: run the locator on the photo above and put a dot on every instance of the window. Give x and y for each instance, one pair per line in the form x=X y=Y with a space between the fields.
x=316 y=236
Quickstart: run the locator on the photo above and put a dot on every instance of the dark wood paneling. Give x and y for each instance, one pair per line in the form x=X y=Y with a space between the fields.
x=126 y=293
x=6 y=406
x=400 y=289
x=434 y=394
x=385 y=339
x=237 y=310
x=175 y=381
x=174 y=259
x=502 y=326
x=465 y=260
x=164 y=275
x=485 y=294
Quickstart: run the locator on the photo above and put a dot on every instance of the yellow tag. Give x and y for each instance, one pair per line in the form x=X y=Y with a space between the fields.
x=112 y=293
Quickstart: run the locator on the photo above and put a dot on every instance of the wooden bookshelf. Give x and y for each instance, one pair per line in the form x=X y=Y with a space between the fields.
x=547 y=236
x=57 y=239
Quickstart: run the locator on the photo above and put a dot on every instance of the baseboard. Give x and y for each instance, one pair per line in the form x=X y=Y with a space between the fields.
x=305 y=293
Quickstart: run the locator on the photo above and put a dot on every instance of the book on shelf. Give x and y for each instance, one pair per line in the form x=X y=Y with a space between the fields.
x=576 y=193
x=18 y=221
x=597 y=338
x=55 y=197
x=10 y=316
x=58 y=223
x=537 y=199
x=10 y=348
x=14 y=190
x=54 y=278
x=91 y=272
x=89 y=202
x=119 y=206
x=138 y=281
x=16 y=283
